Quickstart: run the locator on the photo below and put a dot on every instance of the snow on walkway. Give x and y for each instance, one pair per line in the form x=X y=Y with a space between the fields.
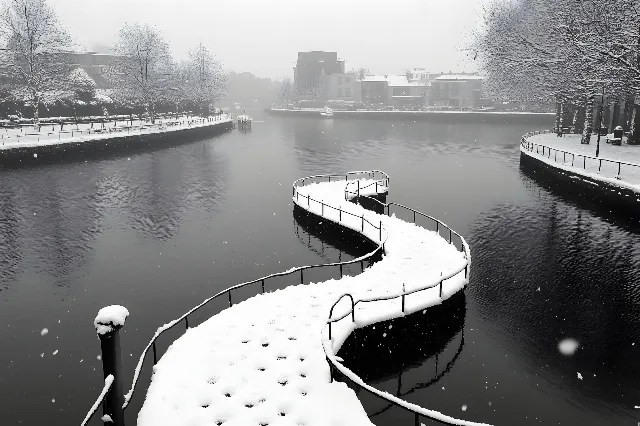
x=14 y=138
x=262 y=362
x=589 y=167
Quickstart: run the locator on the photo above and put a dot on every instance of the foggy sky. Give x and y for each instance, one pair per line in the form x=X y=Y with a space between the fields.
x=264 y=36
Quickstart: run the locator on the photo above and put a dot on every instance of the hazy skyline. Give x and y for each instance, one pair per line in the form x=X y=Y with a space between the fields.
x=264 y=37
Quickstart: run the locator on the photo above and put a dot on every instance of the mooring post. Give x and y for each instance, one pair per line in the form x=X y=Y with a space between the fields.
x=108 y=323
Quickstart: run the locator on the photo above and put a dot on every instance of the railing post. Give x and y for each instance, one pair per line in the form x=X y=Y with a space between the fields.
x=449 y=235
x=362 y=265
x=340 y=211
x=308 y=202
x=414 y=217
x=584 y=163
x=403 y=298
x=341 y=270
x=108 y=323
x=618 y=170
x=363 y=222
x=322 y=211
x=440 y=289
x=262 y=286
x=380 y=231
x=230 y=304
x=600 y=166
x=186 y=322
x=358 y=188
x=417 y=420
x=301 y=276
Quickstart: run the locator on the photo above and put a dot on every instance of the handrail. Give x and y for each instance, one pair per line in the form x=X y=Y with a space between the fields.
x=291 y=271
x=332 y=359
x=526 y=144
x=108 y=382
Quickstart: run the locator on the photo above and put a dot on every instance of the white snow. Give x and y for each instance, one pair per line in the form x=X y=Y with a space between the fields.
x=590 y=167
x=110 y=317
x=263 y=360
x=106 y=419
x=568 y=346
x=51 y=135
x=44 y=331
x=107 y=385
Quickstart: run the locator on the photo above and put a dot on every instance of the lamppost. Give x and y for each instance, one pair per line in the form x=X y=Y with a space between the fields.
x=600 y=121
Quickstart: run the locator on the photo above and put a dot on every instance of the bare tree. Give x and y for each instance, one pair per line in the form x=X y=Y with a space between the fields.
x=286 y=90
x=206 y=82
x=30 y=32
x=556 y=50
x=141 y=74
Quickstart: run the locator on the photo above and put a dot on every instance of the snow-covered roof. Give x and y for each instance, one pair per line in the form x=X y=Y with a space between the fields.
x=459 y=77
x=394 y=80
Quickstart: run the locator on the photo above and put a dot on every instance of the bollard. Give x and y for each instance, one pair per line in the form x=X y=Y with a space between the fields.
x=108 y=323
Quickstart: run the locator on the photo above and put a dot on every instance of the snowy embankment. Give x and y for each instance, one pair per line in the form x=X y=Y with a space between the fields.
x=616 y=165
x=263 y=360
x=27 y=137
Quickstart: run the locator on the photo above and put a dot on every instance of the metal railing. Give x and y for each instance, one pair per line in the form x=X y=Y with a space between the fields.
x=228 y=292
x=526 y=144
x=108 y=384
x=418 y=412
x=23 y=135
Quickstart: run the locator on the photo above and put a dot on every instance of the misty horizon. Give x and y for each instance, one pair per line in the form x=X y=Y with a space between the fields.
x=265 y=38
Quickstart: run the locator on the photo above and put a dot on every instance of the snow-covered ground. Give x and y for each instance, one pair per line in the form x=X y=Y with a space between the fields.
x=263 y=360
x=49 y=134
x=581 y=164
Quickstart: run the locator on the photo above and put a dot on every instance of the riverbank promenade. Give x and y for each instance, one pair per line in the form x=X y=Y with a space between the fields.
x=272 y=358
x=617 y=166
x=27 y=136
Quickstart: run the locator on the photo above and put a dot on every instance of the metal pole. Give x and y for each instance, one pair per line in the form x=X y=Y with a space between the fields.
x=108 y=333
x=600 y=124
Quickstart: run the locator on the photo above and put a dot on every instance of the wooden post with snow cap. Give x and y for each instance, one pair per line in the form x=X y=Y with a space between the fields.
x=108 y=323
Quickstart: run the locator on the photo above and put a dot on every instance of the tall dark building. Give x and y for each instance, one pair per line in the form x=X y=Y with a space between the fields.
x=310 y=67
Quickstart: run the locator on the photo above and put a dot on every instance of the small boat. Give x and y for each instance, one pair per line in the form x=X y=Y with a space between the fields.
x=327 y=112
x=244 y=120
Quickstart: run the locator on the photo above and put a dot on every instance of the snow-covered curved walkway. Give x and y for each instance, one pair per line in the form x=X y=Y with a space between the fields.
x=261 y=362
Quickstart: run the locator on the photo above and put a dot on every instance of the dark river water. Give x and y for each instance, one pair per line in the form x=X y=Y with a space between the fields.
x=160 y=231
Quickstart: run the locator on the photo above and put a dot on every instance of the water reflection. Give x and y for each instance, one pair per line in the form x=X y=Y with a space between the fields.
x=406 y=356
x=49 y=220
x=153 y=194
x=576 y=277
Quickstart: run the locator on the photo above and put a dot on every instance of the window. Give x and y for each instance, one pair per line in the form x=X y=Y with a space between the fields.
x=347 y=91
x=339 y=92
x=455 y=89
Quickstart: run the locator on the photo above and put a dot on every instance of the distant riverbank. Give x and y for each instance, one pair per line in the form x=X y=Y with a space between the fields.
x=453 y=116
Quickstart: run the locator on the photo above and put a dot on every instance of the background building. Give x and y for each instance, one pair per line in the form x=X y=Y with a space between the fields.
x=393 y=90
x=456 y=90
x=342 y=87
x=307 y=74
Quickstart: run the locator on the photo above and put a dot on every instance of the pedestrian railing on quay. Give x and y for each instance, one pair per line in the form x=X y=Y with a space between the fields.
x=23 y=134
x=115 y=411
x=526 y=144
x=418 y=412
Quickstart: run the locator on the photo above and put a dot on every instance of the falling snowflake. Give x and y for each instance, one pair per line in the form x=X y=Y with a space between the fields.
x=568 y=346
x=44 y=331
x=464 y=407
x=579 y=376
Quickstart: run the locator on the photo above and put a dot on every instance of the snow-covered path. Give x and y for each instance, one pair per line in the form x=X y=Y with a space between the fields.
x=581 y=163
x=51 y=134
x=262 y=362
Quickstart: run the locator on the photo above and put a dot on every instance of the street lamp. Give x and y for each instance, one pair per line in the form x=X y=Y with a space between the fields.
x=600 y=121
